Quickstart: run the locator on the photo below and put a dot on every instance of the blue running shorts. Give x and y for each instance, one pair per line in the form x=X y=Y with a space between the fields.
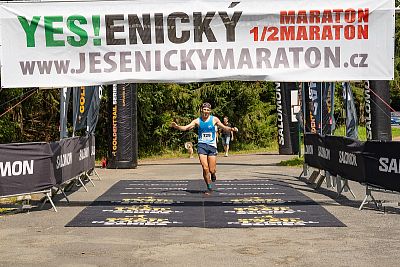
x=206 y=149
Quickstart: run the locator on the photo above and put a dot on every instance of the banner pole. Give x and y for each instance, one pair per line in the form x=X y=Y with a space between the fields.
x=303 y=98
x=320 y=109
x=299 y=126
x=345 y=108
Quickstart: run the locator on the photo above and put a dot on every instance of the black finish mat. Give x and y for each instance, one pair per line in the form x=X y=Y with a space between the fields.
x=233 y=203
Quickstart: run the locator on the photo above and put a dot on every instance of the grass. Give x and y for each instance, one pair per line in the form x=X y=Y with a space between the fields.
x=362 y=132
x=243 y=149
x=292 y=162
x=8 y=200
x=5 y=211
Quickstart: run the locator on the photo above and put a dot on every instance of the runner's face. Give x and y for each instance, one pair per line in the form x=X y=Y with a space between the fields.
x=205 y=112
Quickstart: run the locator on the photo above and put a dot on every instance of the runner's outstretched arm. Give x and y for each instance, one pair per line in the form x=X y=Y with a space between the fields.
x=188 y=127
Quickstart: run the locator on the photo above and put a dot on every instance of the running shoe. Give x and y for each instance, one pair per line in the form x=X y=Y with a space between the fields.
x=209 y=189
x=213 y=177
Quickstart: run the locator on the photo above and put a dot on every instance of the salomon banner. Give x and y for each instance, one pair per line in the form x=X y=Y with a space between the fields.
x=283 y=118
x=123 y=146
x=72 y=156
x=85 y=152
x=315 y=152
x=288 y=126
x=25 y=168
x=377 y=112
x=346 y=158
x=338 y=155
x=33 y=167
x=75 y=43
x=375 y=163
x=64 y=159
x=382 y=162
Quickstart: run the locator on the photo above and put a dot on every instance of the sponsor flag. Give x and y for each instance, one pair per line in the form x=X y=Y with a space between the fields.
x=351 y=112
x=328 y=92
x=82 y=98
x=64 y=101
x=318 y=100
x=313 y=106
x=93 y=113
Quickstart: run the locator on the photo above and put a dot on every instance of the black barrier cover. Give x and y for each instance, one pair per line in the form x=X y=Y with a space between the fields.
x=382 y=161
x=82 y=152
x=311 y=144
x=63 y=159
x=72 y=156
x=32 y=167
x=25 y=168
x=338 y=155
x=373 y=162
x=92 y=157
x=346 y=158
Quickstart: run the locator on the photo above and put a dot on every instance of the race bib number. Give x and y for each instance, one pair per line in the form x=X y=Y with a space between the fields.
x=206 y=136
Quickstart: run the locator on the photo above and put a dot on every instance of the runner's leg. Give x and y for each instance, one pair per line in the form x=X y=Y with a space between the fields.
x=206 y=170
x=227 y=141
x=224 y=143
x=212 y=165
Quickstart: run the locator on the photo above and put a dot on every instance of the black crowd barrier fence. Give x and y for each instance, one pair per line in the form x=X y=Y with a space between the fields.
x=382 y=161
x=25 y=168
x=33 y=167
x=375 y=163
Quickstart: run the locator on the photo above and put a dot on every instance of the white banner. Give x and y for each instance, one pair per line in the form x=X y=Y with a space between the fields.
x=81 y=43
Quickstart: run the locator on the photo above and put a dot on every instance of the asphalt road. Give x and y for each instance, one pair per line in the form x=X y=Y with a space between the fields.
x=39 y=238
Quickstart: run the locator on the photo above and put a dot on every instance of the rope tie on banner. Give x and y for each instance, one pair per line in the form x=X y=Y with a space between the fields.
x=384 y=102
x=8 y=110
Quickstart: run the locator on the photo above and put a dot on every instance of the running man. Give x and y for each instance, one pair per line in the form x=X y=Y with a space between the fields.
x=207 y=144
x=226 y=136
